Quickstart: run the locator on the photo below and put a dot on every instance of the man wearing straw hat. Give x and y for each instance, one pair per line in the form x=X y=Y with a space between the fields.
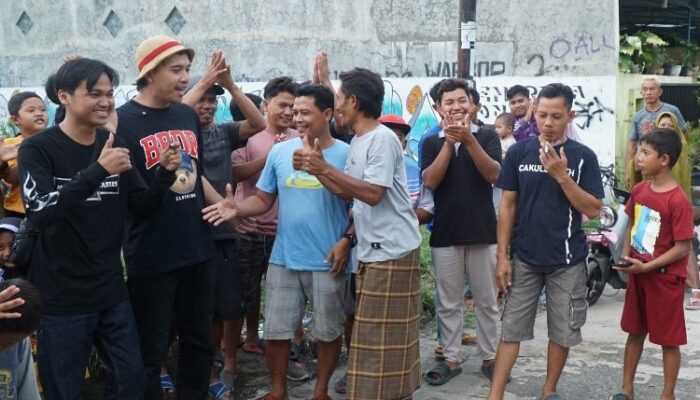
x=169 y=258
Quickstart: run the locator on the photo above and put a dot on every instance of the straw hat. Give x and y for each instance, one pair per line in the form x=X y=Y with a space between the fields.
x=155 y=49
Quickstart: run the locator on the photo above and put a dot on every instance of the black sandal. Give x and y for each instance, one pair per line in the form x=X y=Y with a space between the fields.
x=441 y=374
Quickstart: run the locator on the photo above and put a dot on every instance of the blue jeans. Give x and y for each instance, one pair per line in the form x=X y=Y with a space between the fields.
x=65 y=342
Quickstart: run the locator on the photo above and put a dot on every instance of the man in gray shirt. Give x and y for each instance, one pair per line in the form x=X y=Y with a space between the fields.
x=384 y=360
x=644 y=119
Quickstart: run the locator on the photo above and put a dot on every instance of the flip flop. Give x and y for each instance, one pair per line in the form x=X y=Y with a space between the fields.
x=441 y=374
x=258 y=348
x=620 y=396
x=341 y=386
x=554 y=396
x=166 y=384
x=227 y=377
x=218 y=390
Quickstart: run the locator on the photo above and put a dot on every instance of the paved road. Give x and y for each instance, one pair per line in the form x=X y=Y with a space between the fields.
x=593 y=372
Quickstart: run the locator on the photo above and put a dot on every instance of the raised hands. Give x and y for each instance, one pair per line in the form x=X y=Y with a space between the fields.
x=6 y=305
x=458 y=130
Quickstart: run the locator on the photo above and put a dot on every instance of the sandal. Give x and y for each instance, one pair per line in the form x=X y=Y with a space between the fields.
x=166 y=384
x=219 y=391
x=554 y=396
x=227 y=377
x=258 y=348
x=468 y=338
x=441 y=374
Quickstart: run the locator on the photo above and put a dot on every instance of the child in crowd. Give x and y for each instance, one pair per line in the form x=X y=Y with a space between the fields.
x=27 y=111
x=8 y=228
x=21 y=305
x=504 y=125
x=657 y=240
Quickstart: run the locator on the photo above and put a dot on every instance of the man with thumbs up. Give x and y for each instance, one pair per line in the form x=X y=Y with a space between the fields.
x=548 y=183
x=78 y=186
x=311 y=249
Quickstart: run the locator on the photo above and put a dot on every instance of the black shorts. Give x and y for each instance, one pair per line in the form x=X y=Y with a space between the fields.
x=229 y=295
x=253 y=256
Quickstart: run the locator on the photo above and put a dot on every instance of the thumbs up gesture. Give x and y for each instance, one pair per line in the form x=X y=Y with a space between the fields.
x=171 y=158
x=313 y=162
x=114 y=159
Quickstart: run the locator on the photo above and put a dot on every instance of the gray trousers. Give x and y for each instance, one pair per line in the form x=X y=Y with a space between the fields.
x=478 y=264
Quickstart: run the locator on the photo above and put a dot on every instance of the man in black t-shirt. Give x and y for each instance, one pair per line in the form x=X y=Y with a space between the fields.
x=78 y=186
x=548 y=182
x=219 y=141
x=169 y=257
x=459 y=165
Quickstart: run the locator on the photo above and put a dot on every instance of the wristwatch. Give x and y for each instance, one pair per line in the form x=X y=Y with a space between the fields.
x=352 y=238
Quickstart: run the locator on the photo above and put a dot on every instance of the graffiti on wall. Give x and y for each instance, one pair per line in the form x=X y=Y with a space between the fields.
x=408 y=97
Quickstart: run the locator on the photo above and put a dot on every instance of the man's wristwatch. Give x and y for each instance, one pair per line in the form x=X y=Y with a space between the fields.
x=352 y=238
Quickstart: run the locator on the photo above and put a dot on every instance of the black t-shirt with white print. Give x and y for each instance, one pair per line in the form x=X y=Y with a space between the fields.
x=176 y=236
x=548 y=232
x=80 y=210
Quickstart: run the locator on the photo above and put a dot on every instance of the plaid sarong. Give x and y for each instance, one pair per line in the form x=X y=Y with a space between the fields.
x=384 y=361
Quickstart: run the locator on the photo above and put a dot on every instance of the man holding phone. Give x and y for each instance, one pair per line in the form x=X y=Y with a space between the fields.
x=548 y=182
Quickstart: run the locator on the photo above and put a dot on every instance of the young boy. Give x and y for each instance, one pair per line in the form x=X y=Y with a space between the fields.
x=8 y=228
x=27 y=111
x=504 y=125
x=21 y=317
x=658 y=240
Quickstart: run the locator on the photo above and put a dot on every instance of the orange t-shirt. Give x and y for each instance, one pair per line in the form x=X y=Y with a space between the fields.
x=13 y=201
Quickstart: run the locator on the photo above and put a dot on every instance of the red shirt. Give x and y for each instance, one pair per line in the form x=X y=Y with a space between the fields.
x=659 y=220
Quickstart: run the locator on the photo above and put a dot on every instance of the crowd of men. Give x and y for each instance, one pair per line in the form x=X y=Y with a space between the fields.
x=310 y=188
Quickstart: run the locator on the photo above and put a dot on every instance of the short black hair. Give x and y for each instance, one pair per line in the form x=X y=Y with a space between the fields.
x=474 y=95
x=236 y=112
x=323 y=96
x=72 y=73
x=31 y=310
x=434 y=90
x=450 y=85
x=518 y=89
x=367 y=86
x=281 y=84
x=15 y=103
x=664 y=141
x=508 y=119
x=554 y=90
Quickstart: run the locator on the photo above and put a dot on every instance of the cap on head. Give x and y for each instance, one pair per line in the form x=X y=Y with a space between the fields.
x=395 y=121
x=215 y=89
x=10 y=224
x=155 y=49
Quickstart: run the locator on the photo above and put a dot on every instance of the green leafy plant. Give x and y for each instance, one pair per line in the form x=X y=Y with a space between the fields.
x=641 y=49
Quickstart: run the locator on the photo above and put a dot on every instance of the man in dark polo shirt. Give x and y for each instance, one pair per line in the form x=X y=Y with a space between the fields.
x=548 y=183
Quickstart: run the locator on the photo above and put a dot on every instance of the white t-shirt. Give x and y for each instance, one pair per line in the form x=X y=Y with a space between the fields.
x=389 y=230
x=505 y=144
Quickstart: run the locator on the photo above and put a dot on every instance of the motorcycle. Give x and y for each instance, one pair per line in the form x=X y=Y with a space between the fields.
x=605 y=243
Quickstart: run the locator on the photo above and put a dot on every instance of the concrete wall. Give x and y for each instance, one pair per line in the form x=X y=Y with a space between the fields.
x=262 y=39
x=546 y=38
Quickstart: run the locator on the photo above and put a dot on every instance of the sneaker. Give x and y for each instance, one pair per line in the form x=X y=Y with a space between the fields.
x=693 y=304
x=297 y=373
x=341 y=385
